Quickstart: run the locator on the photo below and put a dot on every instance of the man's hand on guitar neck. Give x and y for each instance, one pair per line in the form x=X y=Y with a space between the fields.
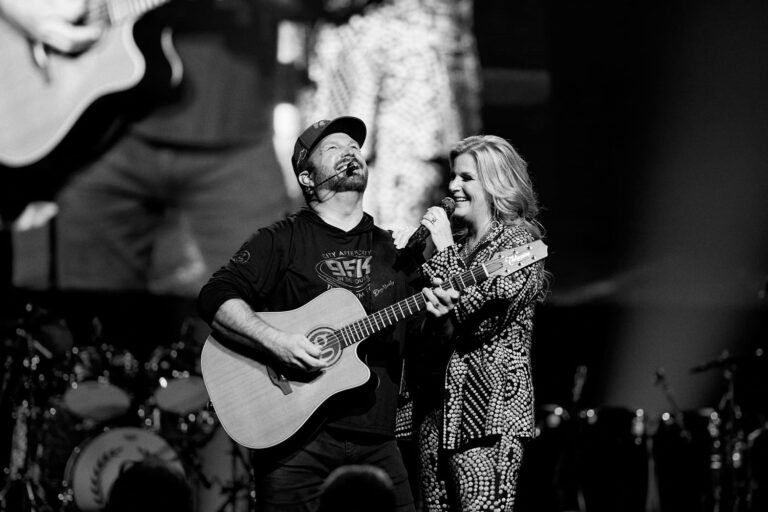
x=55 y=23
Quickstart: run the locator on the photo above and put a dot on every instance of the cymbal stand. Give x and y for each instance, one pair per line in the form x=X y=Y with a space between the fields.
x=187 y=449
x=566 y=479
x=182 y=442
x=660 y=379
x=22 y=491
x=731 y=491
x=237 y=485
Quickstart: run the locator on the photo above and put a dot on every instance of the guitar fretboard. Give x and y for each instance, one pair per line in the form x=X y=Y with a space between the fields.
x=366 y=327
x=507 y=261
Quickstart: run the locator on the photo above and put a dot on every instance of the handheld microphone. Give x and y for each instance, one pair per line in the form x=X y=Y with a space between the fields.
x=421 y=234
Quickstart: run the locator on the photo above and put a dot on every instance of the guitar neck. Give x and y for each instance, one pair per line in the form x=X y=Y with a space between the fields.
x=365 y=327
x=117 y=11
x=504 y=262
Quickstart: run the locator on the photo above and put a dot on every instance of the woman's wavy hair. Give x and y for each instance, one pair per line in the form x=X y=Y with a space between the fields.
x=503 y=174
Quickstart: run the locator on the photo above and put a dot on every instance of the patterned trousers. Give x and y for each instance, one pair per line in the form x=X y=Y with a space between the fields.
x=481 y=476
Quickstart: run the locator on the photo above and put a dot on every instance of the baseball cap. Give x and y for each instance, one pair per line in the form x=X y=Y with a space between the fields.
x=309 y=138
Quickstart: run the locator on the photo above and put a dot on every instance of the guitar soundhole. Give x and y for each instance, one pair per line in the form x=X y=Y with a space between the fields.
x=322 y=337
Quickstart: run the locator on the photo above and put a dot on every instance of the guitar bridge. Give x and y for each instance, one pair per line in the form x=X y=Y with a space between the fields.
x=279 y=380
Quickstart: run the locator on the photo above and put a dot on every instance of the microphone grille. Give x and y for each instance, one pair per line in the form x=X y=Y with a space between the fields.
x=448 y=205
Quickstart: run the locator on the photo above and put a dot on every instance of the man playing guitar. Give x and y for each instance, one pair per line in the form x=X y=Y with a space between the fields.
x=330 y=244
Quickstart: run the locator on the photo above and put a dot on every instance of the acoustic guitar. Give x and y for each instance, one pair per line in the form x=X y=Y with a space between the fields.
x=45 y=93
x=260 y=406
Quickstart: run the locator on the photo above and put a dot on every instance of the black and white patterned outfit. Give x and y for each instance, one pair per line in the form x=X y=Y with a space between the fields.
x=470 y=438
x=410 y=70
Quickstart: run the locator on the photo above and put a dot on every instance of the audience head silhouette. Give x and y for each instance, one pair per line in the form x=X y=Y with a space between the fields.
x=150 y=485
x=355 y=488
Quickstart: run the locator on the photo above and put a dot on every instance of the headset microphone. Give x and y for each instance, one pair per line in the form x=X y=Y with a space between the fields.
x=349 y=169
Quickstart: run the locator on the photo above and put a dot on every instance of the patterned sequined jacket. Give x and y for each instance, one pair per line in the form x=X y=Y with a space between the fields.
x=488 y=387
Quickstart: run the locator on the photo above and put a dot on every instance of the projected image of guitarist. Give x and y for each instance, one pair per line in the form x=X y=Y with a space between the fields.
x=296 y=294
x=149 y=123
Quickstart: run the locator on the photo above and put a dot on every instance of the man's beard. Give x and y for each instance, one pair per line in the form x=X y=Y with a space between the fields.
x=355 y=183
x=343 y=183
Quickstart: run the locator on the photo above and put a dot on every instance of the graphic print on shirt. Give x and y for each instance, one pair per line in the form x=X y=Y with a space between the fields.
x=347 y=269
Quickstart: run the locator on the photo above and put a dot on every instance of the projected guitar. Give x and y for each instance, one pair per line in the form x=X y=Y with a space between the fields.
x=45 y=93
x=260 y=407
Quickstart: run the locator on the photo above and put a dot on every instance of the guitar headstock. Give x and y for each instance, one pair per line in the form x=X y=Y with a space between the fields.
x=510 y=260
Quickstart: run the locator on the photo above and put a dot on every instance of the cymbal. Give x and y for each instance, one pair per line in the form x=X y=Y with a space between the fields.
x=726 y=359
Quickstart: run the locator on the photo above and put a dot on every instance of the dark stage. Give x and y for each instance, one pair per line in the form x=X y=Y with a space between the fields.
x=644 y=130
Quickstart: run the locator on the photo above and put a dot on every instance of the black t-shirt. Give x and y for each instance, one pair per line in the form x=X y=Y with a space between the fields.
x=284 y=266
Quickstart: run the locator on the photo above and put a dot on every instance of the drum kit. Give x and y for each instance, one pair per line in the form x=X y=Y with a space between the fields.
x=81 y=414
x=613 y=458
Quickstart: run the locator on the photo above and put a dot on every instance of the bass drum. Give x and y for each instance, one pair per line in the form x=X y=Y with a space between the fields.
x=94 y=466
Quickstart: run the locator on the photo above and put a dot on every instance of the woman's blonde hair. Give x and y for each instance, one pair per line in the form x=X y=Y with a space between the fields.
x=503 y=174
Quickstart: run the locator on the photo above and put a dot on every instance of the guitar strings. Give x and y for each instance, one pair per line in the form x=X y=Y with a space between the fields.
x=361 y=329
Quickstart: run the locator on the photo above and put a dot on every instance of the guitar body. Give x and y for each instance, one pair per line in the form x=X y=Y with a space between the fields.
x=252 y=408
x=39 y=108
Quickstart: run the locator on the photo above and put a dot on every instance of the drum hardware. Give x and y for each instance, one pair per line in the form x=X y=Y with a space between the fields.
x=85 y=409
x=550 y=476
x=179 y=386
x=567 y=476
x=757 y=450
x=189 y=434
x=726 y=360
x=730 y=489
x=179 y=409
x=732 y=481
x=178 y=405
x=183 y=432
x=7 y=370
x=585 y=459
x=234 y=490
x=22 y=490
x=660 y=379
x=692 y=443
x=98 y=380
